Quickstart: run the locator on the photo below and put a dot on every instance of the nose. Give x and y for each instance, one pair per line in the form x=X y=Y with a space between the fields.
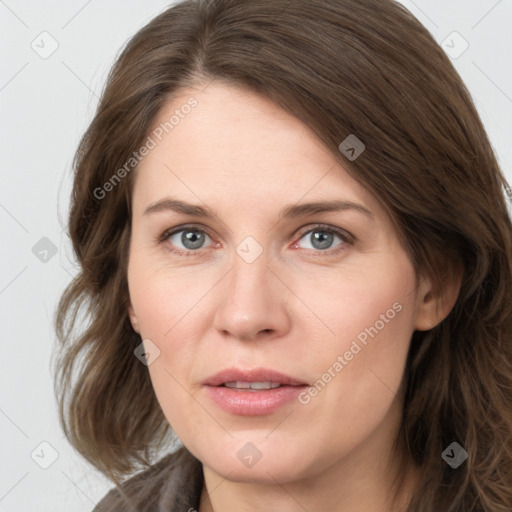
x=252 y=302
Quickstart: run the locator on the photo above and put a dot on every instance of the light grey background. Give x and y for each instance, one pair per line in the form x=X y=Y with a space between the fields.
x=46 y=104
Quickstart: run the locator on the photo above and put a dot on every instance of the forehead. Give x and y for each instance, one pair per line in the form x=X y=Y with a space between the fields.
x=238 y=145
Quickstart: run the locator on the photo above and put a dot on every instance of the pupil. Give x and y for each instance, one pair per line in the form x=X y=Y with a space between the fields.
x=321 y=239
x=192 y=239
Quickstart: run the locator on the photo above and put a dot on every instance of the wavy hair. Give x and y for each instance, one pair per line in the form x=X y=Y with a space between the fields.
x=363 y=67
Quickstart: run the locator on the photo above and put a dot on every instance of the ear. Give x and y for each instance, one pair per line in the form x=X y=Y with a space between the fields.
x=133 y=319
x=432 y=308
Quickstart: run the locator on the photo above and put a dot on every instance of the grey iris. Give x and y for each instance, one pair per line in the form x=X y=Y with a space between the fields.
x=321 y=239
x=192 y=239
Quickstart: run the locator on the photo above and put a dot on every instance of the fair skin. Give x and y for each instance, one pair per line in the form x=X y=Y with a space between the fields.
x=295 y=308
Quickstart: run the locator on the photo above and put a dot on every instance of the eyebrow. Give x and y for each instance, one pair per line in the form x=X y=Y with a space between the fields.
x=288 y=211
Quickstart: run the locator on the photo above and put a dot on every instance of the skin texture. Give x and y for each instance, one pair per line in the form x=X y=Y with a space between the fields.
x=295 y=308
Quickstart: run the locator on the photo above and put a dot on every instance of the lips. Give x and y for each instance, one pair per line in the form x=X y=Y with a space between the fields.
x=235 y=377
x=253 y=392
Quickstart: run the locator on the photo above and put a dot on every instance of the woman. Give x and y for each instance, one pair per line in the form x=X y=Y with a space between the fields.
x=296 y=253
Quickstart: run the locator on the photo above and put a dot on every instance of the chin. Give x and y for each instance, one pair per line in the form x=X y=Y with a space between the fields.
x=243 y=464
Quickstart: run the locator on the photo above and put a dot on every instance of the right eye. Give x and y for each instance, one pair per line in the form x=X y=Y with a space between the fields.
x=185 y=241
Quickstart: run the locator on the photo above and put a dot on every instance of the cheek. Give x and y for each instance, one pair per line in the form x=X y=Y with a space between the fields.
x=368 y=320
x=161 y=297
x=359 y=302
x=164 y=313
x=170 y=313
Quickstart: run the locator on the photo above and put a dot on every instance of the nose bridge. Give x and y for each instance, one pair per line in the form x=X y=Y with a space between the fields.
x=250 y=302
x=249 y=278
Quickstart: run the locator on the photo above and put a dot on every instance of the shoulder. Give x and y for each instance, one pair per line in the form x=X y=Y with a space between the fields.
x=173 y=484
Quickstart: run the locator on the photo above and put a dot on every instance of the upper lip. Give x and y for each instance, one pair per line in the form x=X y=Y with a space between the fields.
x=253 y=375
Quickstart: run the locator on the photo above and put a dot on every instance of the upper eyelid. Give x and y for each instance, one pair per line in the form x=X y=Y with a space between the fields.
x=192 y=227
x=325 y=227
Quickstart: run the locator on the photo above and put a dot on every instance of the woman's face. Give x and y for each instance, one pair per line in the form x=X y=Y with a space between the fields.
x=230 y=271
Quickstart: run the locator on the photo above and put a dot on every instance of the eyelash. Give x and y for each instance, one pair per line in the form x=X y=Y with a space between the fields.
x=346 y=238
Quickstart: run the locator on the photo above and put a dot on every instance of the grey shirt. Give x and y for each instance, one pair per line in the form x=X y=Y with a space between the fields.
x=173 y=484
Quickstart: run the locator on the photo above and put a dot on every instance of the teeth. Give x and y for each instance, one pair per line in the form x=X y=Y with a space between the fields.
x=251 y=385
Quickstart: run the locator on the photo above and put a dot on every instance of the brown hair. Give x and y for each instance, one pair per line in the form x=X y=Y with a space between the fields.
x=363 y=67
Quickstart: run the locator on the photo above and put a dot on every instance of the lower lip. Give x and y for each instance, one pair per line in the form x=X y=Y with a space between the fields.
x=253 y=403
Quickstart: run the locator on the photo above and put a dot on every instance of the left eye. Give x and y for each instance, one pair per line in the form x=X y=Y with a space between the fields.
x=321 y=239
